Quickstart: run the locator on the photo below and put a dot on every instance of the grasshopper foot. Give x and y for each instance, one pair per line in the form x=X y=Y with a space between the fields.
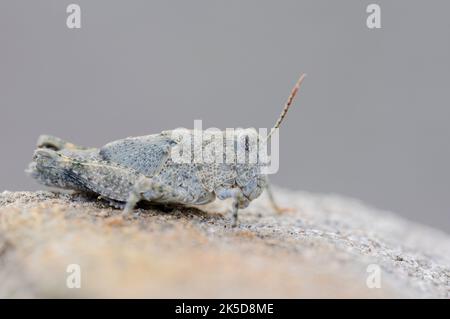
x=56 y=143
x=282 y=210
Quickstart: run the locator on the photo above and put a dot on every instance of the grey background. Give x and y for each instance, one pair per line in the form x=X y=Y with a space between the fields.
x=371 y=120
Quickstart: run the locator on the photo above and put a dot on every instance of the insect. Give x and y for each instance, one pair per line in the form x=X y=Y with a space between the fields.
x=135 y=169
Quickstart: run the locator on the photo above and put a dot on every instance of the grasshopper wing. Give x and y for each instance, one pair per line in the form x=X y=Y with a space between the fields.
x=145 y=154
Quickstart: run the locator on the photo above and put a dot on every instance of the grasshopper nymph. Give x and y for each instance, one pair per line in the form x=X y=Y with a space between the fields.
x=135 y=169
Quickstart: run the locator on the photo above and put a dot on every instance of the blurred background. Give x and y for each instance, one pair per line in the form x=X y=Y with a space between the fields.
x=371 y=121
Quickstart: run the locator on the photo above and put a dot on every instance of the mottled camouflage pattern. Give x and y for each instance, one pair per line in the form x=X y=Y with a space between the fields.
x=141 y=168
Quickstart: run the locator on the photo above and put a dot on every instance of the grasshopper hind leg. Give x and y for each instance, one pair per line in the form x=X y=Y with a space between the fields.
x=56 y=143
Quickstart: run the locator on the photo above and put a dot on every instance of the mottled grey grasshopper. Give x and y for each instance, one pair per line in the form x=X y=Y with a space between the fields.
x=129 y=170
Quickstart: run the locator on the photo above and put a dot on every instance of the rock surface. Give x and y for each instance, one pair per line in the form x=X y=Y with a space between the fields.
x=328 y=247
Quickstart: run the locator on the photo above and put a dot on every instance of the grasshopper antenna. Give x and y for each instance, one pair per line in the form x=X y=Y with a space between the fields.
x=287 y=105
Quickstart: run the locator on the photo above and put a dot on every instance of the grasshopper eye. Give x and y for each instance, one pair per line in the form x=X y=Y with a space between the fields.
x=247 y=144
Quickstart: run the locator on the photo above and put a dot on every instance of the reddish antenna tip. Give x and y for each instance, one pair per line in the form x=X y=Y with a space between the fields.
x=289 y=100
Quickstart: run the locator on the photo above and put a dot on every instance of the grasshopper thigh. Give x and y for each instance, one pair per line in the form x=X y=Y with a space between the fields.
x=56 y=143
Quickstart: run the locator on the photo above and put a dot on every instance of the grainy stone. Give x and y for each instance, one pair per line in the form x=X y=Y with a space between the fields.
x=322 y=249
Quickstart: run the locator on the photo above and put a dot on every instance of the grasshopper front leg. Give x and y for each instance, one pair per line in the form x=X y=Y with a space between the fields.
x=239 y=201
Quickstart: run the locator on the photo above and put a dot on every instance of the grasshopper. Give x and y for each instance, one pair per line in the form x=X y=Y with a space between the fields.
x=134 y=169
